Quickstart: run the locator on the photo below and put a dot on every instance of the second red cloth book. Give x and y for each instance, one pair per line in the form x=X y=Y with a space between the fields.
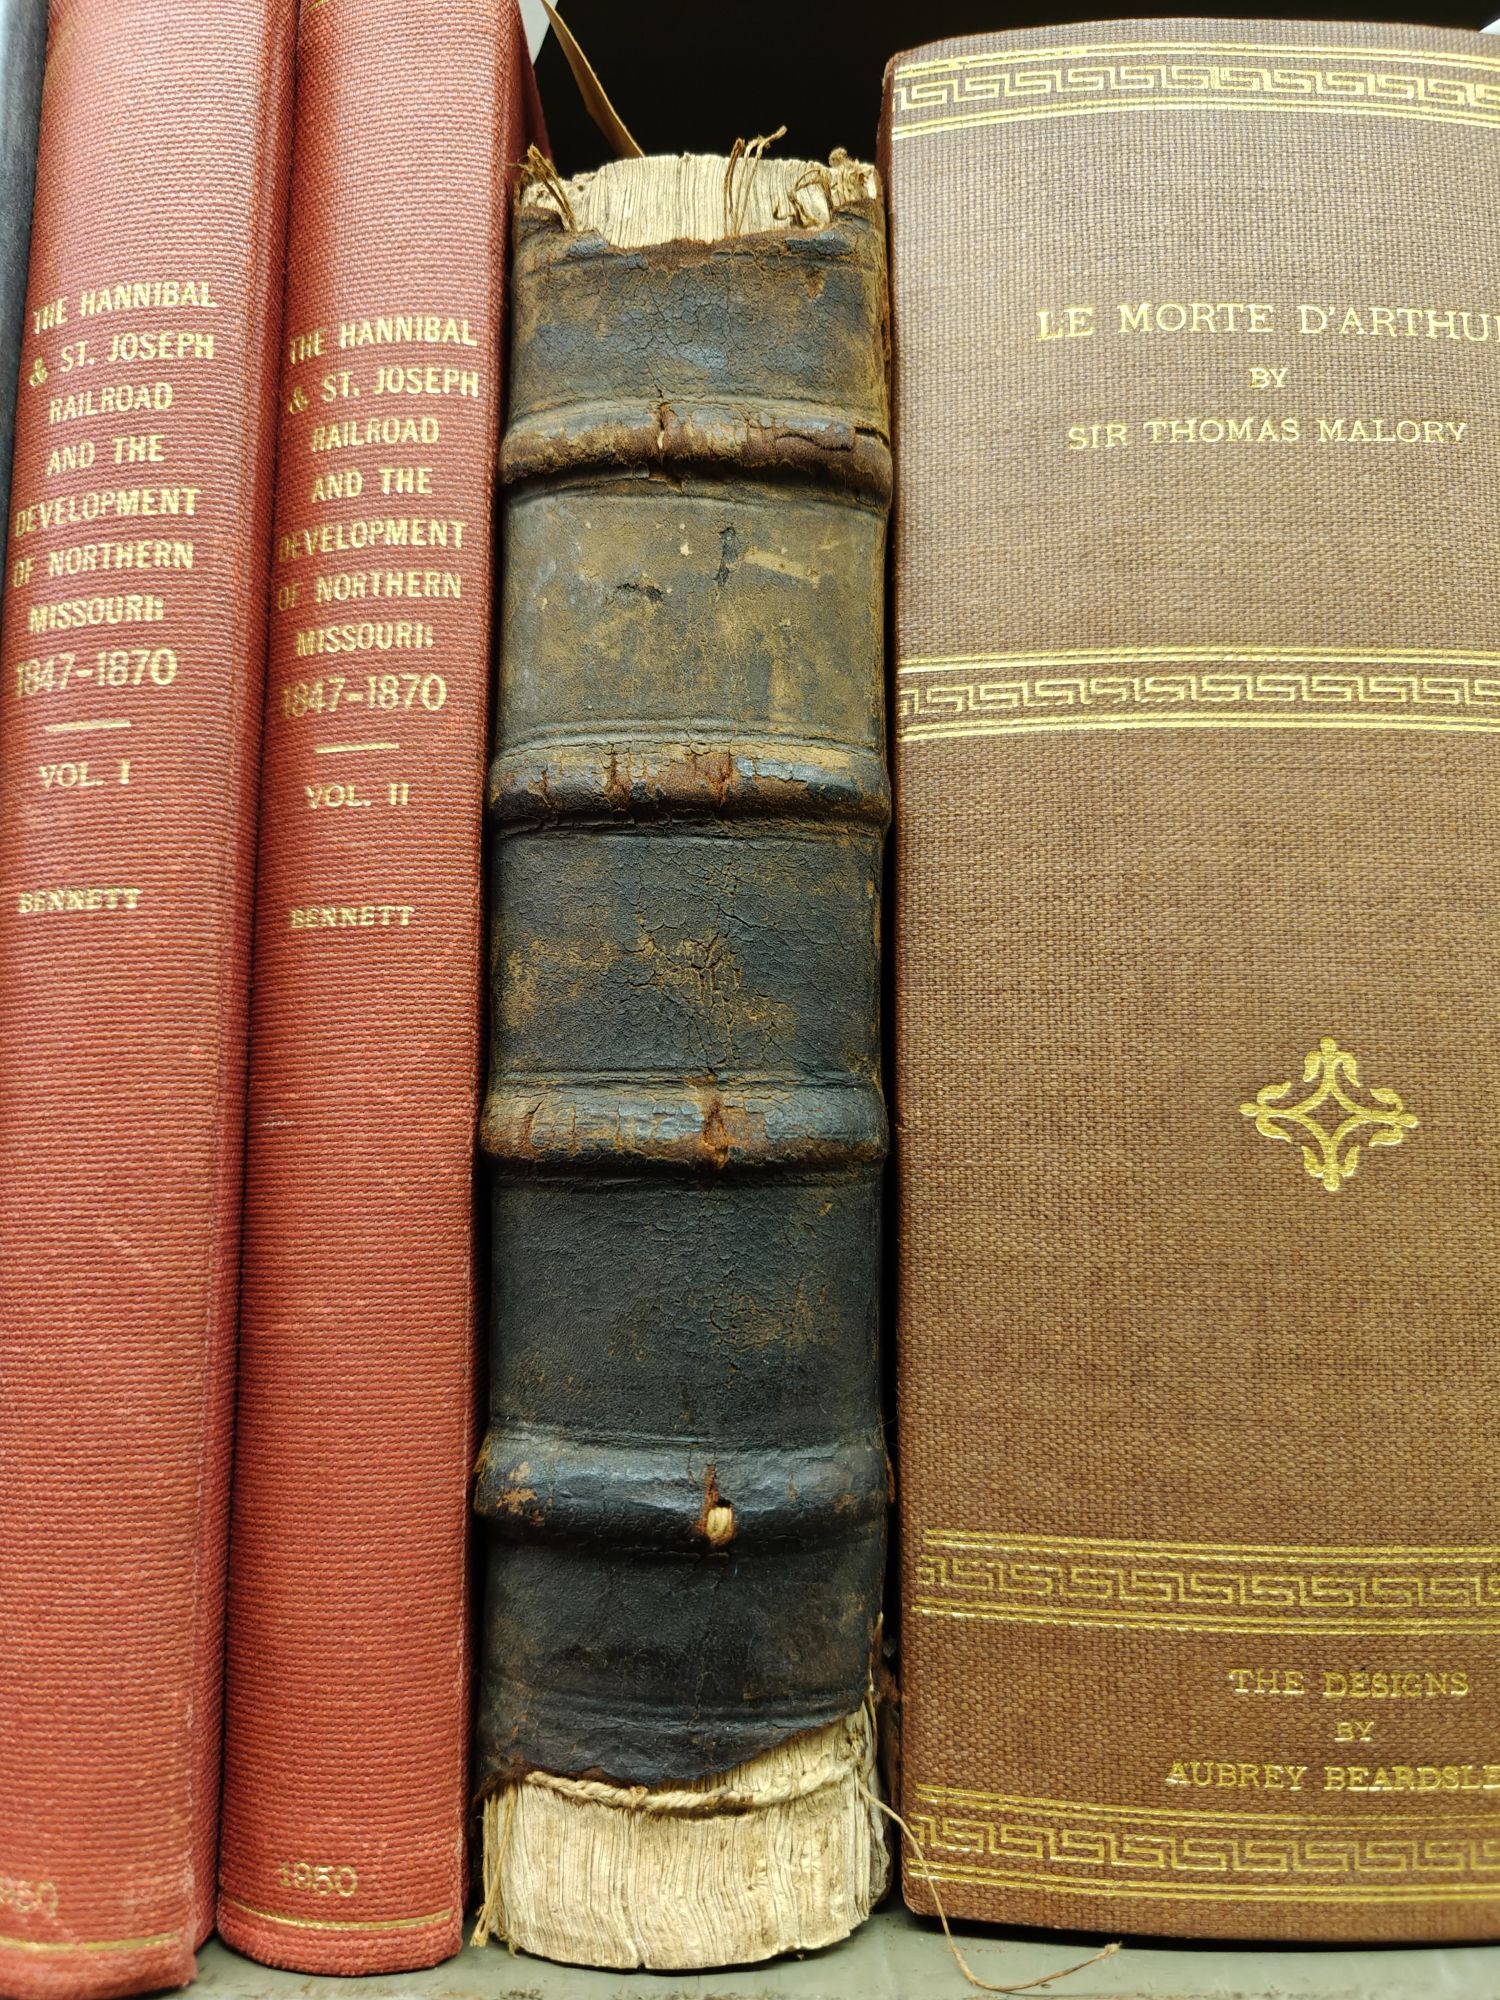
x=348 y=1674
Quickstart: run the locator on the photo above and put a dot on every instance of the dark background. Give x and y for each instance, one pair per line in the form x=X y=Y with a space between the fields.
x=692 y=76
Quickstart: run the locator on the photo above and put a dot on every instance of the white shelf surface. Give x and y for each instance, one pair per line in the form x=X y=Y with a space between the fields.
x=895 y=1957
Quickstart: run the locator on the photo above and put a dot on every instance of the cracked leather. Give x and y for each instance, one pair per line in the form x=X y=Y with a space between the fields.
x=684 y=1478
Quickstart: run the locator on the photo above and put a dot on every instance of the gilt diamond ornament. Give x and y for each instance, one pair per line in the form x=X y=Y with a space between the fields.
x=1331 y=1121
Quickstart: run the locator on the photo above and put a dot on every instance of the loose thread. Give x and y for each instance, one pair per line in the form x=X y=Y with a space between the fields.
x=816 y=179
x=737 y=192
x=499 y=1815
x=983 y=1985
x=490 y=1922
x=541 y=170
x=735 y=153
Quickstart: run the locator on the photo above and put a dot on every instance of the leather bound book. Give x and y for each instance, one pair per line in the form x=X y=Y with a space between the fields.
x=134 y=636
x=1198 y=659
x=348 y=1723
x=684 y=1477
x=23 y=42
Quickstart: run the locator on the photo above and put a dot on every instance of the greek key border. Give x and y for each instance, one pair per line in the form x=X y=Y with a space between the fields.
x=1025 y=85
x=1165 y=1854
x=1388 y=1592
x=947 y=696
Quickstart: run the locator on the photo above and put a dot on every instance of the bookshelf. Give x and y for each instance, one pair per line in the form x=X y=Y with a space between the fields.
x=694 y=83
x=896 y=1957
x=699 y=77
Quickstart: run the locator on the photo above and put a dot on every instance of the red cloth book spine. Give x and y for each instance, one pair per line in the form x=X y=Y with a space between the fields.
x=133 y=653
x=348 y=1726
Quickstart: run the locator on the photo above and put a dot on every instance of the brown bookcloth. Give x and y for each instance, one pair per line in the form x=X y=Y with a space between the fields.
x=1198 y=1080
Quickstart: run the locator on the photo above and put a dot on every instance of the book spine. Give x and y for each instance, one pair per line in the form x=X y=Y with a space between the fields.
x=134 y=637
x=1196 y=1049
x=23 y=42
x=348 y=1681
x=684 y=1477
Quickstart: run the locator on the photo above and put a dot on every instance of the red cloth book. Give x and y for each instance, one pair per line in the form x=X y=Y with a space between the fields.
x=346 y=1789
x=134 y=646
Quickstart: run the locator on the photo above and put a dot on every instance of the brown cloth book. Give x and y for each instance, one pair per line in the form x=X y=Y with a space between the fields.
x=1198 y=1078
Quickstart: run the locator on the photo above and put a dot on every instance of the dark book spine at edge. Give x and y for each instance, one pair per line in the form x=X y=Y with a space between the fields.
x=23 y=47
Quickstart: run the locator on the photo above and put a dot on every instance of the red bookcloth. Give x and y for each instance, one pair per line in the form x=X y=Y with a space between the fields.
x=346 y=1789
x=134 y=647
